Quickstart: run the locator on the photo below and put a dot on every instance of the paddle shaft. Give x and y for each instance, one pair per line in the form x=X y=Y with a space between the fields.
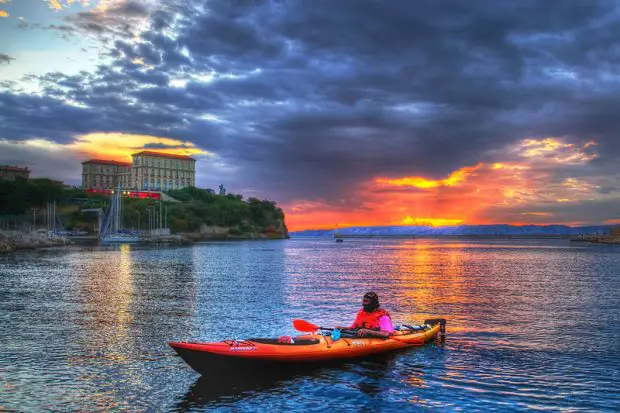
x=307 y=327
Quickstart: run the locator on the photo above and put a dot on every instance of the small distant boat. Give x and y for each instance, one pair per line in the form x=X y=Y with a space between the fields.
x=338 y=236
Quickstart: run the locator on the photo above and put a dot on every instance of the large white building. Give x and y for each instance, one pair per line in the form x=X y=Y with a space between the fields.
x=157 y=171
x=149 y=170
x=103 y=174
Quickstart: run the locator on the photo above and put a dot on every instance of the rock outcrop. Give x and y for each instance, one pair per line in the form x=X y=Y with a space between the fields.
x=215 y=232
x=598 y=239
x=14 y=240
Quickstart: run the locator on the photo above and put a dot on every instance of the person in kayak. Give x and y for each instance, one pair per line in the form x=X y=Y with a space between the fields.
x=371 y=320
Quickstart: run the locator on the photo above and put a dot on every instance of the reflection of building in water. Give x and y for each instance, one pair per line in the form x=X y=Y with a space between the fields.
x=128 y=303
x=104 y=284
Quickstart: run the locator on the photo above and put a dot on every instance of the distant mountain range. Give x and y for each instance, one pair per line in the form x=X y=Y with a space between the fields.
x=478 y=230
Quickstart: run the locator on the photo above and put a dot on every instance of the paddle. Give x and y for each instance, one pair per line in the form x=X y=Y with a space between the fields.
x=307 y=327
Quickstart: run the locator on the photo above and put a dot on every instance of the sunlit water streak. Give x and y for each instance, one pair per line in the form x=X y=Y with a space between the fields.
x=531 y=325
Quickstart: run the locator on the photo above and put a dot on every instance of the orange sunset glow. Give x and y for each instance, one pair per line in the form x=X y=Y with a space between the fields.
x=120 y=146
x=476 y=194
x=116 y=146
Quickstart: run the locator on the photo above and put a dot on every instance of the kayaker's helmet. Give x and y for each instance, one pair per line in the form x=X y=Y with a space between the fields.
x=370 y=301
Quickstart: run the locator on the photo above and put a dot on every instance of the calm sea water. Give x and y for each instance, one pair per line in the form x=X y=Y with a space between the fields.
x=532 y=325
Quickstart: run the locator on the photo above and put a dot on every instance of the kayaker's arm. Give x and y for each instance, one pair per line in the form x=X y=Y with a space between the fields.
x=364 y=332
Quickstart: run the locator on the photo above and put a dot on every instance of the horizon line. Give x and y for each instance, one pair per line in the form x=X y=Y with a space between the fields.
x=460 y=225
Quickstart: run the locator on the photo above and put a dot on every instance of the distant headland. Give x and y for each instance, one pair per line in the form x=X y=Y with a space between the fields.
x=477 y=231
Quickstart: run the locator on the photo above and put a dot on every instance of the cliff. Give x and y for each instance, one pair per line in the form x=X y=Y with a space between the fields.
x=201 y=214
x=215 y=232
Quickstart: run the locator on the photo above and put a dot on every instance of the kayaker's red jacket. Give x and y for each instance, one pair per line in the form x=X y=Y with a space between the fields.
x=369 y=320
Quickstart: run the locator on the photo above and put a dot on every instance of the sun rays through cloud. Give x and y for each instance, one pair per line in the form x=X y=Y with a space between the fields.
x=472 y=194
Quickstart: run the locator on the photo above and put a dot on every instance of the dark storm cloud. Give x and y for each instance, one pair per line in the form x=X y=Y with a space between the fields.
x=313 y=97
x=583 y=212
x=161 y=146
x=32 y=117
x=118 y=19
x=226 y=42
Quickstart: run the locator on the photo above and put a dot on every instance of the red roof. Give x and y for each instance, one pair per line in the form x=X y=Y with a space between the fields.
x=13 y=168
x=106 y=162
x=164 y=155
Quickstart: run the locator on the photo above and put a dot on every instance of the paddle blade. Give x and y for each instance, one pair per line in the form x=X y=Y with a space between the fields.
x=304 y=326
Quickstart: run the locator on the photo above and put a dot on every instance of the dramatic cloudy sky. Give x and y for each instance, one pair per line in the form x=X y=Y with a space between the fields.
x=345 y=112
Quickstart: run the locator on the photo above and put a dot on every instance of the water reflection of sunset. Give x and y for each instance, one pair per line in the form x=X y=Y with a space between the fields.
x=108 y=289
x=105 y=320
x=427 y=277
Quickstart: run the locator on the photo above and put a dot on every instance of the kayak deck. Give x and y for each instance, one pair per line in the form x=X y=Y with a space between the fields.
x=309 y=348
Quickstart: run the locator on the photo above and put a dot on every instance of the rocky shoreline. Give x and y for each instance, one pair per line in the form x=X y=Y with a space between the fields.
x=218 y=233
x=13 y=240
x=597 y=239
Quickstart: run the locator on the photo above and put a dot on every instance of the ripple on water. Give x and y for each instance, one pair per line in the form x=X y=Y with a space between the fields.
x=531 y=325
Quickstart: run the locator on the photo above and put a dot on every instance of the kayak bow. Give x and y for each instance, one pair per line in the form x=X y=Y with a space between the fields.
x=309 y=348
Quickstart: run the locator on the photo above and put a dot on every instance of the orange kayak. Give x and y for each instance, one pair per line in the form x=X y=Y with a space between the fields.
x=309 y=348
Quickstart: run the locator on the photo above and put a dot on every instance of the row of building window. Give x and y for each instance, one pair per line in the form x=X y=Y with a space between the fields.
x=165 y=185
x=160 y=172
x=166 y=163
x=104 y=178
x=104 y=170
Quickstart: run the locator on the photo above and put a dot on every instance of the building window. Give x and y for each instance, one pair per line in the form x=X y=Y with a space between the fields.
x=159 y=164
x=152 y=184
x=158 y=184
